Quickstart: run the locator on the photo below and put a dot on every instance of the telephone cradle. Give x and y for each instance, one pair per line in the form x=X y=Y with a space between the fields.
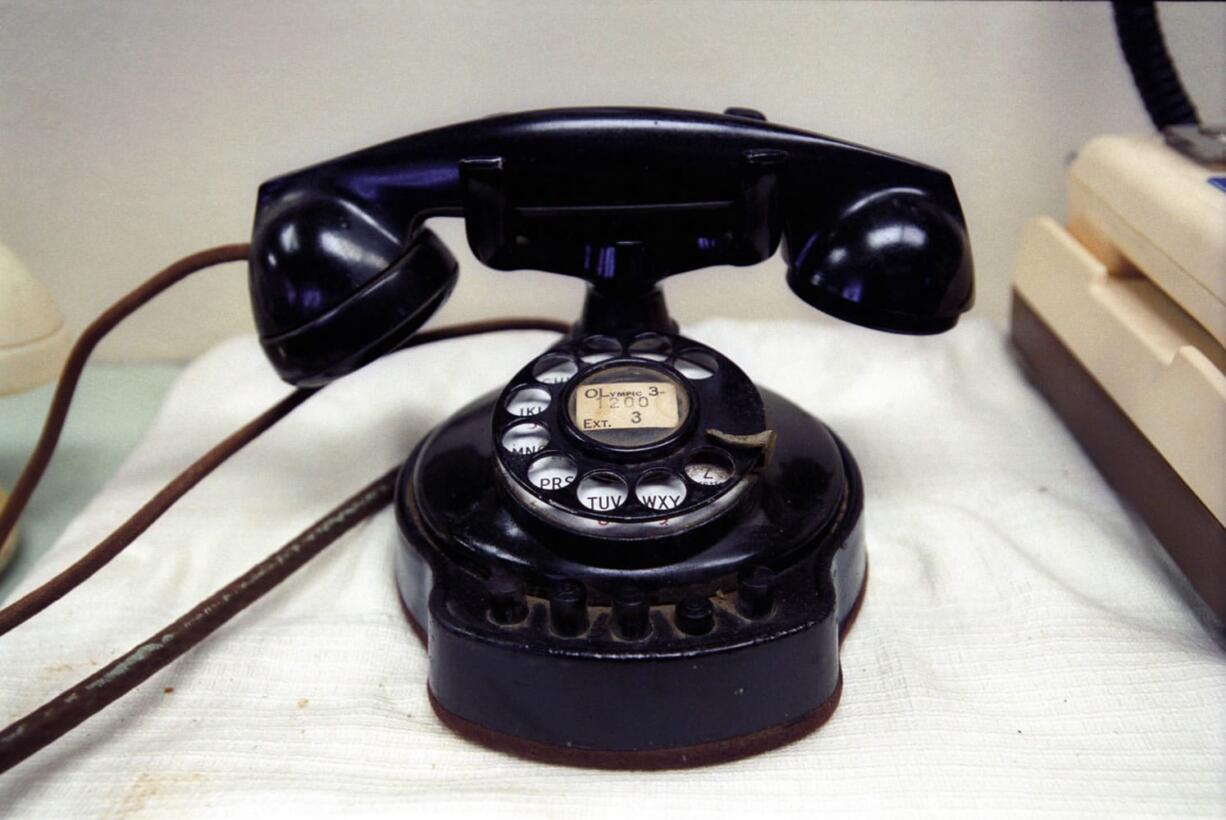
x=631 y=556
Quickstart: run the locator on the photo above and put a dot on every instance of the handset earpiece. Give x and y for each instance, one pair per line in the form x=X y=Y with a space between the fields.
x=334 y=286
x=895 y=260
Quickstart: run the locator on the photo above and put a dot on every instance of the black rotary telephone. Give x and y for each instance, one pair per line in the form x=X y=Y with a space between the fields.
x=631 y=555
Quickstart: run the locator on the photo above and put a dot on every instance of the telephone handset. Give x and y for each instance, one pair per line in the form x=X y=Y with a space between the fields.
x=631 y=555
x=343 y=267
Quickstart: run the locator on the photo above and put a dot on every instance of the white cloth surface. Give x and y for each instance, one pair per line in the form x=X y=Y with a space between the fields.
x=1020 y=648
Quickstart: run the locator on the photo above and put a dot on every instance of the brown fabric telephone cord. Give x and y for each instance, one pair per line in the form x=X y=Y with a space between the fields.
x=69 y=376
x=39 y=599
x=68 y=710
x=99 y=556
x=60 y=715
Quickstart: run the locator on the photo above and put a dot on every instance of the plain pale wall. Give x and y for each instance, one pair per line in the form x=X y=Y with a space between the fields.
x=134 y=133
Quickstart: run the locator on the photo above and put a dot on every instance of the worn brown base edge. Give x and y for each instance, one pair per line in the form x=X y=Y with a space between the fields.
x=680 y=757
x=1193 y=537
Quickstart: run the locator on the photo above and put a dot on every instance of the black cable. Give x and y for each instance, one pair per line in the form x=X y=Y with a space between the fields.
x=1153 y=73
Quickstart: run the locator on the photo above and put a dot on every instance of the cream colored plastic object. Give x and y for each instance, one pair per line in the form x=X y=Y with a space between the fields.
x=1135 y=199
x=33 y=339
x=9 y=548
x=1161 y=367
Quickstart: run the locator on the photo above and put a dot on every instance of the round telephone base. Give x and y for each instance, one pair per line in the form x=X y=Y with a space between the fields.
x=729 y=650
x=680 y=757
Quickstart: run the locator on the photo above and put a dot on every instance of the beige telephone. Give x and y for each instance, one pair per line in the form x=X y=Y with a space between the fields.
x=33 y=343
x=1120 y=317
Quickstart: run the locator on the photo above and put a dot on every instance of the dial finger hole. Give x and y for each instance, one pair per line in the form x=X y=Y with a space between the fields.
x=660 y=490
x=710 y=468
x=554 y=368
x=527 y=401
x=552 y=472
x=696 y=365
x=651 y=346
x=602 y=491
x=598 y=348
x=525 y=438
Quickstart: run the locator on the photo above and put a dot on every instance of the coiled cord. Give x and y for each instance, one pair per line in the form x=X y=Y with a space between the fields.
x=1153 y=73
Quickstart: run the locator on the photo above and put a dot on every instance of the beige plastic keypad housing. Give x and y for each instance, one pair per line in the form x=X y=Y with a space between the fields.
x=1120 y=317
